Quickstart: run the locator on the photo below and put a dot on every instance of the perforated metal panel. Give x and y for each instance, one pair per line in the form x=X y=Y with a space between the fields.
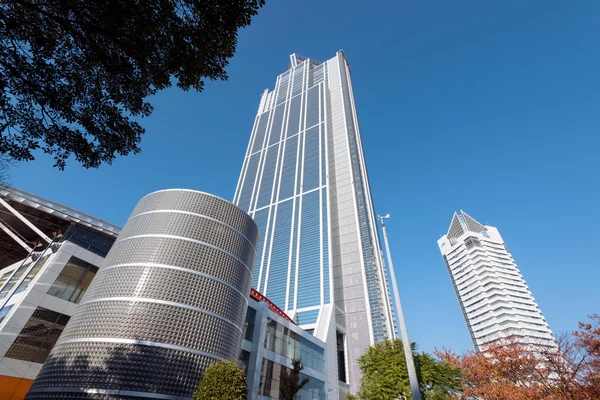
x=169 y=299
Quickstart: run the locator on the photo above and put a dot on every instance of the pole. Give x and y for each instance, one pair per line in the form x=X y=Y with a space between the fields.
x=410 y=363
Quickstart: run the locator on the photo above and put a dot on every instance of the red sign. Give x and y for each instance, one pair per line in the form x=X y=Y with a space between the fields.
x=254 y=294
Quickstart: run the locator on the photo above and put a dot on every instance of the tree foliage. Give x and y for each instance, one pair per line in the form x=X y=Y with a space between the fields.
x=74 y=74
x=512 y=371
x=385 y=375
x=223 y=380
x=290 y=382
x=587 y=340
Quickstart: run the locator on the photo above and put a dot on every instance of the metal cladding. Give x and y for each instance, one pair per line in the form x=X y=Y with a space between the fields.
x=169 y=299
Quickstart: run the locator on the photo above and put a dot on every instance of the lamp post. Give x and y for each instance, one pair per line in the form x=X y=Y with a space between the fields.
x=410 y=364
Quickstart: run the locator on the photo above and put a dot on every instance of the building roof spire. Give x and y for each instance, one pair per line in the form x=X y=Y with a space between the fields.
x=296 y=59
x=462 y=223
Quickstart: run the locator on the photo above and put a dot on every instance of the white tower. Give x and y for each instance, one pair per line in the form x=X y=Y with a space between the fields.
x=493 y=296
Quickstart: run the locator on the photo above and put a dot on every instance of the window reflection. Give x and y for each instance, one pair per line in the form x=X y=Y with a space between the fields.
x=270 y=383
x=4 y=312
x=88 y=239
x=4 y=277
x=39 y=336
x=14 y=279
x=291 y=345
x=244 y=360
x=249 y=324
x=74 y=280
x=32 y=274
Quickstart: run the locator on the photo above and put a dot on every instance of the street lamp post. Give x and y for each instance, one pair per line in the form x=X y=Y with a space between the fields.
x=410 y=363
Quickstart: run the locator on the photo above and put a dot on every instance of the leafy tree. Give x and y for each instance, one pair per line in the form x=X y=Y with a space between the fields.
x=223 y=380
x=74 y=74
x=289 y=382
x=438 y=380
x=385 y=375
x=493 y=375
x=512 y=371
x=587 y=340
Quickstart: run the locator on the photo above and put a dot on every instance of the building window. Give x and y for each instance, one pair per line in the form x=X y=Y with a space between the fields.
x=38 y=336
x=472 y=241
x=307 y=317
x=290 y=344
x=89 y=240
x=74 y=280
x=12 y=281
x=244 y=360
x=341 y=356
x=4 y=312
x=249 y=324
x=4 y=278
x=32 y=274
x=269 y=386
x=270 y=383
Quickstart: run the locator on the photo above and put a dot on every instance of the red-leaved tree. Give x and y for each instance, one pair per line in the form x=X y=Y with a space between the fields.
x=511 y=371
x=588 y=339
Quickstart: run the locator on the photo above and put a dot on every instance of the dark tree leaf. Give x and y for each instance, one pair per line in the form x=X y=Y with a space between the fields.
x=73 y=73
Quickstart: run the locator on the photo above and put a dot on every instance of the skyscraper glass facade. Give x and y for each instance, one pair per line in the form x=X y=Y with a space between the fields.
x=284 y=187
x=305 y=183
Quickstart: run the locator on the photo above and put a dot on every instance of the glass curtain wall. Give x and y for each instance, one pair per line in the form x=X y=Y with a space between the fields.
x=283 y=187
x=270 y=380
x=73 y=280
x=38 y=336
x=289 y=344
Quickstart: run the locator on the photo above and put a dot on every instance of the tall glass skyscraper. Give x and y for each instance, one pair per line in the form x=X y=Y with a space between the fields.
x=304 y=181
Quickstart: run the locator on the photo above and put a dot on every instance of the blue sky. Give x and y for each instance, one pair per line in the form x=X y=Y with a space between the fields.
x=489 y=107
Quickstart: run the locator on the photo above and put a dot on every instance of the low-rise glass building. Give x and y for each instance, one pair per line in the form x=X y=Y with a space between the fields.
x=271 y=341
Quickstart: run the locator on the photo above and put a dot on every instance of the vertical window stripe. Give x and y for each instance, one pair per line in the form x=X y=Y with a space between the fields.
x=276 y=125
x=309 y=277
x=289 y=168
x=268 y=177
x=311 y=159
x=260 y=218
x=278 y=267
x=292 y=282
x=248 y=184
x=294 y=116
x=261 y=131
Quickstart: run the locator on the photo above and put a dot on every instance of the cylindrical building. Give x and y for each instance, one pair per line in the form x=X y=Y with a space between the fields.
x=169 y=299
